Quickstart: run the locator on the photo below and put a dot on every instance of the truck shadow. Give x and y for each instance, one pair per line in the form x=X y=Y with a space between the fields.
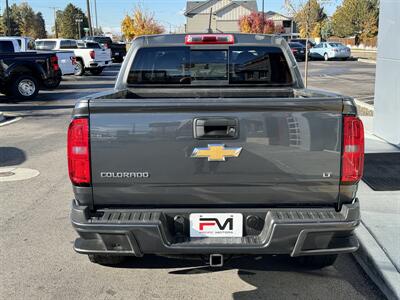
x=275 y=277
x=11 y=156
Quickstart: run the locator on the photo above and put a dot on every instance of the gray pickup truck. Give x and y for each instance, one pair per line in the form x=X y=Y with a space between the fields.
x=209 y=145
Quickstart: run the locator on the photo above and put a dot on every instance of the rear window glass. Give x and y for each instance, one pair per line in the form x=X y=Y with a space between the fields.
x=45 y=45
x=6 y=47
x=93 y=45
x=185 y=66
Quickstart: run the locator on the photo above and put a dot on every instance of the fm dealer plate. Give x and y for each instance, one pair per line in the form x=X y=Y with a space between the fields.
x=216 y=225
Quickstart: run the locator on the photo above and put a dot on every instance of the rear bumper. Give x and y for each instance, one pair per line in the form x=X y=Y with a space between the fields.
x=292 y=231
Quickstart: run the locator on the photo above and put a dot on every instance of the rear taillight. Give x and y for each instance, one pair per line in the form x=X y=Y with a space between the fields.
x=78 y=152
x=73 y=60
x=294 y=50
x=192 y=39
x=92 y=54
x=353 y=150
x=54 y=63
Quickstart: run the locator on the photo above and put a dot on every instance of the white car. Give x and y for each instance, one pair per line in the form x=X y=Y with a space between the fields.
x=66 y=59
x=93 y=60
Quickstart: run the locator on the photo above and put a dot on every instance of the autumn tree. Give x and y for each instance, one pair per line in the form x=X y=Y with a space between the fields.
x=309 y=16
x=256 y=23
x=140 y=23
x=25 y=21
x=357 y=18
x=66 y=24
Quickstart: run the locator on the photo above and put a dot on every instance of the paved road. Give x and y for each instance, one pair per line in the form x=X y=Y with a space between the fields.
x=36 y=256
x=350 y=78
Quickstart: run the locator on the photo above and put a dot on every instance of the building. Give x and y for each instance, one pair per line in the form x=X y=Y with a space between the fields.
x=225 y=15
x=387 y=80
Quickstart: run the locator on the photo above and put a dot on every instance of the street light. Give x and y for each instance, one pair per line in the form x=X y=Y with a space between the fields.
x=78 y=21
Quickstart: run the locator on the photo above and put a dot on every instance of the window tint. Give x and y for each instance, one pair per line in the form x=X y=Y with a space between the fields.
x=209 y=65
x=64 y=44
x=164 y=65
x=93 y=45
x=6 y=47
x=45 y=45
x=336 y=44
x=267 y=65
x=238 y=65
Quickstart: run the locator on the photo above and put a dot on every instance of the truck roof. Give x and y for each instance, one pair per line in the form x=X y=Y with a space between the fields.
x=239 y=38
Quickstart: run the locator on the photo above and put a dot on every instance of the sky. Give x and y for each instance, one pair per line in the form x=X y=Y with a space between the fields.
x=111 y=12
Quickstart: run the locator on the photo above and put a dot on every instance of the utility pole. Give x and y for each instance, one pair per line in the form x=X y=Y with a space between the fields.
x=307 y=37
x=95 y=13
x=55 y=21
x=89 y=17
x=8 y=31
x=263 y=15
x=79 y=20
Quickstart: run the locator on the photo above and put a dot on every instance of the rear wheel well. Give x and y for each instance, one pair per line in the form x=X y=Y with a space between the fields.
x=24 y=70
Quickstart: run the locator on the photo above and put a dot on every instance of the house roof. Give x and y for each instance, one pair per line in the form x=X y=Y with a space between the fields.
x=276 y=16
x=192 y=5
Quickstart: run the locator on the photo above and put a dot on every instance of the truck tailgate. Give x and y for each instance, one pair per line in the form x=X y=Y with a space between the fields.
x=141 y=152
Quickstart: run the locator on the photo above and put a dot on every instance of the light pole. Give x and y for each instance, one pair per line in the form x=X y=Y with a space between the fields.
x=89 y=17
x=95 y=13
x=79 y=20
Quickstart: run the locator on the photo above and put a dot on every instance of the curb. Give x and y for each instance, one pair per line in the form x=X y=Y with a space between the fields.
x=368 y=61
x=372 y=258
x=364 y=109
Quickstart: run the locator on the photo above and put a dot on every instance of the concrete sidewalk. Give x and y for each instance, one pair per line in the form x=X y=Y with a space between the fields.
x=379 y=232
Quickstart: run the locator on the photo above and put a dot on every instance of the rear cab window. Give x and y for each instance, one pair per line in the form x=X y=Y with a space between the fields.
x=6 y=47
x=234 y=65
x=45 y=45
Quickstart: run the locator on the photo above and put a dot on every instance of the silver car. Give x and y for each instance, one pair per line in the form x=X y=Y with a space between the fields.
x=329 y=50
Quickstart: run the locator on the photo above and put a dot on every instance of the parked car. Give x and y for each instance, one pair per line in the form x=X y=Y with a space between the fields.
x=66 y=59
x=210 y=145
x=303 y=42
x=93 y=60
x=328 y=50
x=23 y=74
x=298 y=50
x=118 y=51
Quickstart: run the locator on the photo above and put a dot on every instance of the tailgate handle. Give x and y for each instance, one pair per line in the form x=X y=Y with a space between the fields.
x=216 y=128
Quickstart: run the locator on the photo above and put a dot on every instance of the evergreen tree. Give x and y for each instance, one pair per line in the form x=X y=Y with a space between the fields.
x=67 y=26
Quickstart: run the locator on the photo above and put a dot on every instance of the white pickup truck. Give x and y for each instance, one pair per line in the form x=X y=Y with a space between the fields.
x=66 y=59
x=93 y=60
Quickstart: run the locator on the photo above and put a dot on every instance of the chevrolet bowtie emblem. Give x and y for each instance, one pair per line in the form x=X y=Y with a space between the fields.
x=216 y=152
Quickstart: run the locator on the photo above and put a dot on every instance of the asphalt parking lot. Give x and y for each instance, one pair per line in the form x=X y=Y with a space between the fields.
x=37 y=259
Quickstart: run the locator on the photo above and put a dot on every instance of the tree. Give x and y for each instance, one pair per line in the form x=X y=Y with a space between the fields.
x=309 y=16
x=13 y=15
x=326 y=29
x=140 y=23
x=66 y=24
x=24 y=21
x=357 y=18
x=256 y=23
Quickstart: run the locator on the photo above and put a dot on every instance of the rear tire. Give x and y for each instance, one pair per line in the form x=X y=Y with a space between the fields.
x=317 y=261
x=106 y=260
x=24 y=87
x=79 y=68
x=96 y=71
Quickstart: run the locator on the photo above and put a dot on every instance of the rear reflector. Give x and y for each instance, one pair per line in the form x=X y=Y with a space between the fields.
x=353 y=150
x=193 y=39
x=54 y=62
x=78 y=152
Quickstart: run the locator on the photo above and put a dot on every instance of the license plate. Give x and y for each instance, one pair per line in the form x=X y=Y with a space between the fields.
x=216 y=225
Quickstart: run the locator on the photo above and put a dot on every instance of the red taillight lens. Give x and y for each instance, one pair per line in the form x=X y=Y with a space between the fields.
x=54 y=63
x=193 y=39
x=294 y=50
x=92 y=54
x=353 y=150
x=78 y=152
x=73 y=60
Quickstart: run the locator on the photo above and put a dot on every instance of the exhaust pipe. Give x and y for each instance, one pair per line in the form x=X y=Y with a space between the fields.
x=216 y=260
